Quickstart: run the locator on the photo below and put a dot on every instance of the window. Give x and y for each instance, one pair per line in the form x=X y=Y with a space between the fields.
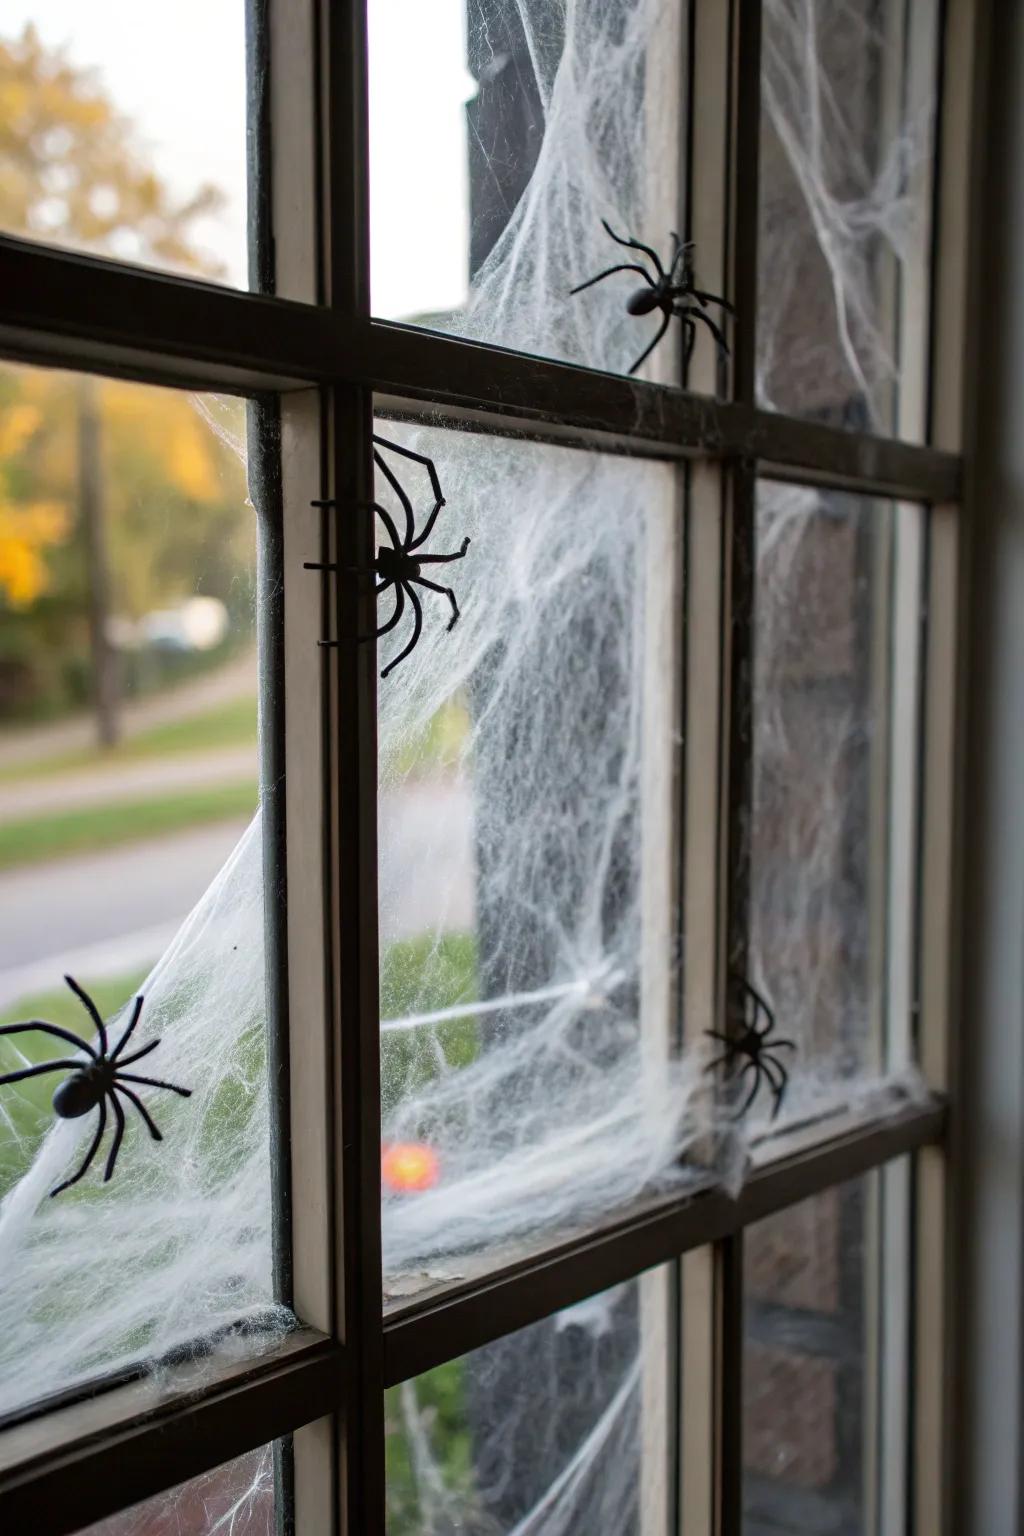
x=462 y=1225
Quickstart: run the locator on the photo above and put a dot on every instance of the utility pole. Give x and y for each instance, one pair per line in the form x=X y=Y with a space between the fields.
x=91 y=520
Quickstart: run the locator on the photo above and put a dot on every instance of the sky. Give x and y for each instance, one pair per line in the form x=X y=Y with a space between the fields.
x=178 y=71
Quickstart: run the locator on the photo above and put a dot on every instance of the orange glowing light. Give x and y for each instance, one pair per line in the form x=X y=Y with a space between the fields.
x=408 y=1165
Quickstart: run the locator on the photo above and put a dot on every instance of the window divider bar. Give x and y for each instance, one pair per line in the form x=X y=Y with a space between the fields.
x=62 y=310
x=475 y=1313
x=359 y=1509
x=79 y=1464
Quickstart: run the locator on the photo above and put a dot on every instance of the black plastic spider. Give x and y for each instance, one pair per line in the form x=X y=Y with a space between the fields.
x=399 y=565
x=665 y=293
x=93 y=1081
x=753 y=1042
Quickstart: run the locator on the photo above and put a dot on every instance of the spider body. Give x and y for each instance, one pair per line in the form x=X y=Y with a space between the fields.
x=754 y=1044
x=101 y=1077
x=81 y=1092
x=671 y=290
x=400 y=563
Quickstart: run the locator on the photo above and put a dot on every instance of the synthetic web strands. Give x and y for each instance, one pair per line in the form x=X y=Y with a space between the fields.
x=526 y=758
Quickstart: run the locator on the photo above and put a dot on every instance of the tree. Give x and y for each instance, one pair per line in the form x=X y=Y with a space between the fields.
x=71 y=171
x=76 y=464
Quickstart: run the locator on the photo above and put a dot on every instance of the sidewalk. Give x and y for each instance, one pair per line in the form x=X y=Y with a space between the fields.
x=34 y=743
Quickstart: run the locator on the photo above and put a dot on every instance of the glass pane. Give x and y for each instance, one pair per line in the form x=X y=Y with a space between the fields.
x=561 y=1428
x=128 y=779
x=526 y=920
x=124 y=131
x=838 y=607
x=846 y=166
x=533 y=123
x=238 y=1498
x=822 y=1369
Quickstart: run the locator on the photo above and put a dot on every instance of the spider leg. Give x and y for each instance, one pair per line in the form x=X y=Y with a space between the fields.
x=417 y=458
x=433 y=586
x=93 y=1149
x=648 y=350
x=388 y=522
x=153 y=1082
x=49 y=1066
x=681 y=249
x=698 y=314
x=417 y=629
x=727 y=1056
x=712 y=298
x=119 y=1047
x=143 y=1111
x=395 y=617
x=91 y=1009
x=716 y=1034
x=115 y=1146
x=778 y=1086
x=626 y=266
x=636 y=245
x=444 y=559
x=395 y=484
x=752 y=1095
x=136 y=1055
x=690 y=333
x=788 y=1045
x=49 y=1029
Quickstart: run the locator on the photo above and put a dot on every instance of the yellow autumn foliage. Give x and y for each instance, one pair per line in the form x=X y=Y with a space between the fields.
x=26 y=531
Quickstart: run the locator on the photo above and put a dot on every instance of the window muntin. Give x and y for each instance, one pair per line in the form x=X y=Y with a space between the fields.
x=533 y=123
x=98 y=153
x=131 y=861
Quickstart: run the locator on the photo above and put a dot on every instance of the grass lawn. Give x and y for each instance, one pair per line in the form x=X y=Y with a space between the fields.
x=55 y=834
x=229 y=725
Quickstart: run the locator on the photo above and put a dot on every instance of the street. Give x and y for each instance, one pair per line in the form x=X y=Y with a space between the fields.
x=108 y=913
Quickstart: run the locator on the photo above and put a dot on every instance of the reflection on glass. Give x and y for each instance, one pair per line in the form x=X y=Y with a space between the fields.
x=835 y=650
x=525 y=769
x=533 y=122
x=237 y=1498
x=847 y=142
x=128 y=778
x=811 y=1397
x=562 y=1427
x=124 y=131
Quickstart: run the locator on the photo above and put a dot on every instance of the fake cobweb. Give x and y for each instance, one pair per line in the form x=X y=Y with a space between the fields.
x=529 y=955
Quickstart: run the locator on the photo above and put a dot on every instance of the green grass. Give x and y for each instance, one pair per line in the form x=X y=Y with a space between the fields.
x=419 y=976
x=55 y=835
x=229 y=725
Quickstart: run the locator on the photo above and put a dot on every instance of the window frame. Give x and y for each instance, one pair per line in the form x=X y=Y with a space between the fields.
x=316 y=348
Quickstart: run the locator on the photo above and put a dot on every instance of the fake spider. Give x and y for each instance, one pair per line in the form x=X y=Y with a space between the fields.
x=94 y=1081
x=754 y=1043
x=667 y=292
x=400 y=564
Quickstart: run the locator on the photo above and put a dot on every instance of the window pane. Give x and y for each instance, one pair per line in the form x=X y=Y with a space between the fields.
x=824 y=1364
x=240 y=1497
x=533 y=122
x=846 y=163
x=527 y=925
x=129 y=860
x=561 y=1428
x=838 y=607
x=124 y=131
